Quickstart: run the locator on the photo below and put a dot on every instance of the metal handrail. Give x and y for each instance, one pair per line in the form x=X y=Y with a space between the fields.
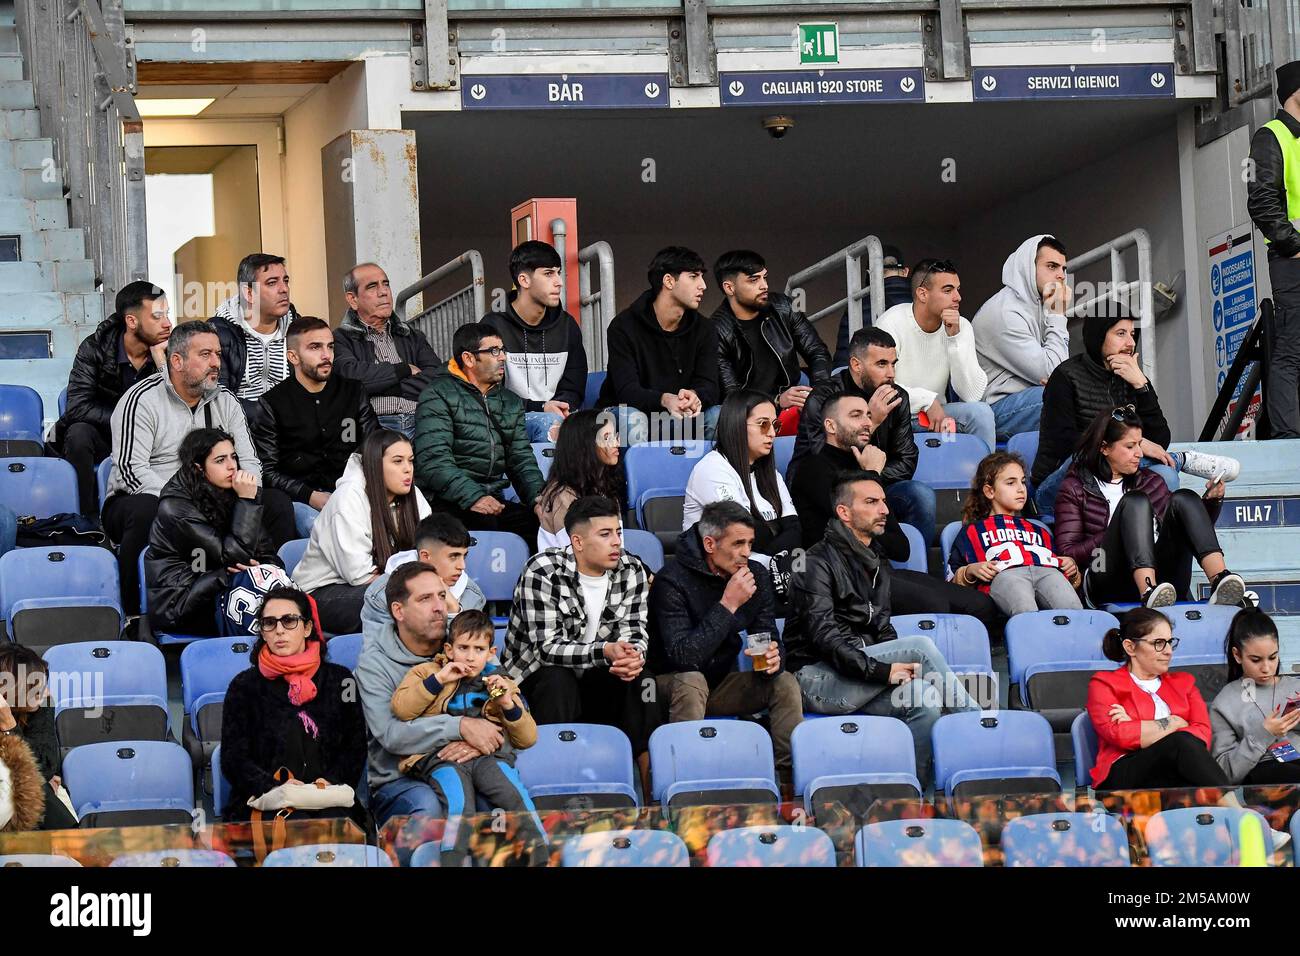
x=470 y=258
x=597 y=309
x=850 y=257
x=1120 y=286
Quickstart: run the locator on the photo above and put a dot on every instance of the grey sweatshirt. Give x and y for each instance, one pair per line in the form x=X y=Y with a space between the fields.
x=1237 y=721
x=383 y=663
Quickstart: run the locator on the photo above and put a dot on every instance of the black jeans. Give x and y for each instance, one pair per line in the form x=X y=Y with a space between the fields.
x=1283 y=398
x=84 y=447
x=1178 y=760
x=1270 y=771
x=559 y=695
x=128 y=520
x=339 y=606
x=517 y=518
x=1186 y=532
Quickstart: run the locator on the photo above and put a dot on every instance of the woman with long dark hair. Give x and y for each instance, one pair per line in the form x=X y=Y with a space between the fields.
x=207 y=532
x=371 y=515
x=1255 y=716
x=27 y=715
x=1134 y=538
x=585 y=463
x=742 y=468
x=290 y=710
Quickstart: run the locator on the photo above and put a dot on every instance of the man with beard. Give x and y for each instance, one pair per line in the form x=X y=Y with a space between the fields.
x=148 y=424
x=311 y=423
x=761 y=338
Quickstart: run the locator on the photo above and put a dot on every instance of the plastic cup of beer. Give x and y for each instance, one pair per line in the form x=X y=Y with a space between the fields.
x=756 y=646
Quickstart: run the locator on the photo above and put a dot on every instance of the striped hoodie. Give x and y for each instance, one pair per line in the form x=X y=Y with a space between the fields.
x=251 y=365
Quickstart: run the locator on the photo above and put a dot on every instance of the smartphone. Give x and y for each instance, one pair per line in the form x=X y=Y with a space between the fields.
x=1291 y=705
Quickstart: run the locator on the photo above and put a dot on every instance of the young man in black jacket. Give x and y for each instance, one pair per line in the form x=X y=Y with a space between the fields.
x=846 y=654
x=700 y=601
x=761 y=338
x=311 y=423
x=546 y=362
x=128 y=346
x=663 y=356
x=392 y=361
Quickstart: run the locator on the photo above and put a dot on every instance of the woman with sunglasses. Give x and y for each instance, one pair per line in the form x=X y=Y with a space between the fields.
x=585 y=464
x=742 y=468
x=292 y=709
x=1134 y=538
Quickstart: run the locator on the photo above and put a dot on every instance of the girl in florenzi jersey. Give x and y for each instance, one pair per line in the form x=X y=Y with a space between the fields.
x=1004 y=555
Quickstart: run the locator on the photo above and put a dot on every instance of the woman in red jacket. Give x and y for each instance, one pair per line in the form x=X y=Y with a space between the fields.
x=1152 y=726
x=1134 y=537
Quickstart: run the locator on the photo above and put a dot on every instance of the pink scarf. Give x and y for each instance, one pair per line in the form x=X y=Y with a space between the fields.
x=296 y=669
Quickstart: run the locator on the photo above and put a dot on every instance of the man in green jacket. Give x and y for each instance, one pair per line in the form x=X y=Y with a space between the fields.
x=471 y=442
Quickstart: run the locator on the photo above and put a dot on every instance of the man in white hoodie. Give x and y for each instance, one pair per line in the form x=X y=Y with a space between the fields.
x=1021 y=334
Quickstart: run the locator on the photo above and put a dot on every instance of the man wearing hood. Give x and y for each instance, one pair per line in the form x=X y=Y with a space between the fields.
x=471 y=442
x=546 y=362
x=390 y=358
x=1273 y=199
x=253 y=325
x=663 y=354
x=897 y=291
x=1021 y=334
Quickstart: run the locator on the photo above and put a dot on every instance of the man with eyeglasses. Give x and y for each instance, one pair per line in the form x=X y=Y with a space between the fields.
x=471 y=442
x=936 y=348
x=125 y=348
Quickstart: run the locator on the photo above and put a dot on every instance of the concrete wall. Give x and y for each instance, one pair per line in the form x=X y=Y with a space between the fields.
x=237 y=223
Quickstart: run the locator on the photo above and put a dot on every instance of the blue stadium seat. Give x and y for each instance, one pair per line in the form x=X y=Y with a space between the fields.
x=344 y=649
x=162 y=637
x=1084 y=737
x=712 y=762
x=330 y=855
x=948 y=460
x=38 y=487
x=544 y=452
x=495 y=562
x=645 y=546
x=1065 y=839
x=919 y=843
x=918 y=558
x=35 y=860
x=1002 y=752
x=181 y=858
x=663 y=466
x=207 y=668
x=1295 y=838
x=580 y=766
x=63 y=401
x=102 y=472
x=1051 y=656
x=291 y=553
x=1025 y=444
x=220 y=785
x=53 y=595
x=783 y=449
x=624 y=848
x=22 y=413
x=1201 y=629
x=426 y=855
x=962 y=640
x=853 y=760
x=591 y=396
x=131 y=783
x=771 y=846
x=1200 y=836
x=109 y=691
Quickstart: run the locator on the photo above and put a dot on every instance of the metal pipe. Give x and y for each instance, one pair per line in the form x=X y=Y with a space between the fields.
x=559 y=235
x=1146 y=310
x=851 y=256
x=470 y=258
x=595 y=321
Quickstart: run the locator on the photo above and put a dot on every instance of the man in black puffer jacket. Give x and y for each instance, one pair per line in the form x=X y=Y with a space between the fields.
x=1105 y=376
x=844 y=650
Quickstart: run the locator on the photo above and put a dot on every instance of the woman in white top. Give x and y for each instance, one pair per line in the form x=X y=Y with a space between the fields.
x=742 y=468
x=371 y=515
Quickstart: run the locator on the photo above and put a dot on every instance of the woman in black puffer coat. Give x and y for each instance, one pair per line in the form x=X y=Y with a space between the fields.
x=208 y=529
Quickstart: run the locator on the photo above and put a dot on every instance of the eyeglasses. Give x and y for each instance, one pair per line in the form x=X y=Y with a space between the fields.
x=495 y=351
x=1160 y=643
x=290 y=622
x=1124 y=412
x=772 y=425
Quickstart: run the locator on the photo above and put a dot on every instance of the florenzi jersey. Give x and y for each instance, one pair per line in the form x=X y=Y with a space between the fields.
x=1014 y=542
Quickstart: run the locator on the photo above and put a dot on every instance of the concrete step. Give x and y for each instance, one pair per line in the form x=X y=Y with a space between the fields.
x=23 y=277
x=11 y=66
x=9 y=40
x=25 y=215
x=20 y=124
x=51 y=310
x=17 y=95
x=52 y=245
x=27 y=154
x=45 y=183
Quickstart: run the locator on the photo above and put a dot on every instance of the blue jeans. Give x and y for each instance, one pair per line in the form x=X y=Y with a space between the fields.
x=539 y=425
x=634 y=425
x=304 y=517
x=1013 y=414
x=912 y=502
x=403 y=422
x=1045 y=496
x=403 y=797
x=972 y=418
x=8 y=529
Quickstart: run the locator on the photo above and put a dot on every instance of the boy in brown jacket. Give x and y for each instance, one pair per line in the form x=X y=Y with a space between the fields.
x=463 y=680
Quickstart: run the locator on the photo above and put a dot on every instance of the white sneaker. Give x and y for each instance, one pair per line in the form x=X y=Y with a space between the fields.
x=1209 y=466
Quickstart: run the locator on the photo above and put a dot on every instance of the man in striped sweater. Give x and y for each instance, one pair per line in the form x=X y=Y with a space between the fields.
x=148 y=425
x=253 y=326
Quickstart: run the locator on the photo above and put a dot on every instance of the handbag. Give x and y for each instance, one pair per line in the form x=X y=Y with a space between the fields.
x=282 y=800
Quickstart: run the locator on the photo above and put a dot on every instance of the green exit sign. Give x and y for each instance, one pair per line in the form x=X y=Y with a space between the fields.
x=819 y=43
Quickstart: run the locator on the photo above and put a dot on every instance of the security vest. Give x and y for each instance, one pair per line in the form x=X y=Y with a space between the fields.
x=1290 y=146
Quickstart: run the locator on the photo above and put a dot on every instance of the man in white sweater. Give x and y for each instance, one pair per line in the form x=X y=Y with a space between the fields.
x=936 y=346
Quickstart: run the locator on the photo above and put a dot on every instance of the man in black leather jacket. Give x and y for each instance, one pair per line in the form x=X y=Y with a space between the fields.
x=845 y=653
x=761 y=337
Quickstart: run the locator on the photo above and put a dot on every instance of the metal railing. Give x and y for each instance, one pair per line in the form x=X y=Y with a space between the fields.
x=80 y=66
x=850 y=259
x=1120 y=289
x=440 y=321
x=597 y=309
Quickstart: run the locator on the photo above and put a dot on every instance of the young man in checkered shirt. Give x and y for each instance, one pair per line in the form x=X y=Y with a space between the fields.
x=577 y=637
